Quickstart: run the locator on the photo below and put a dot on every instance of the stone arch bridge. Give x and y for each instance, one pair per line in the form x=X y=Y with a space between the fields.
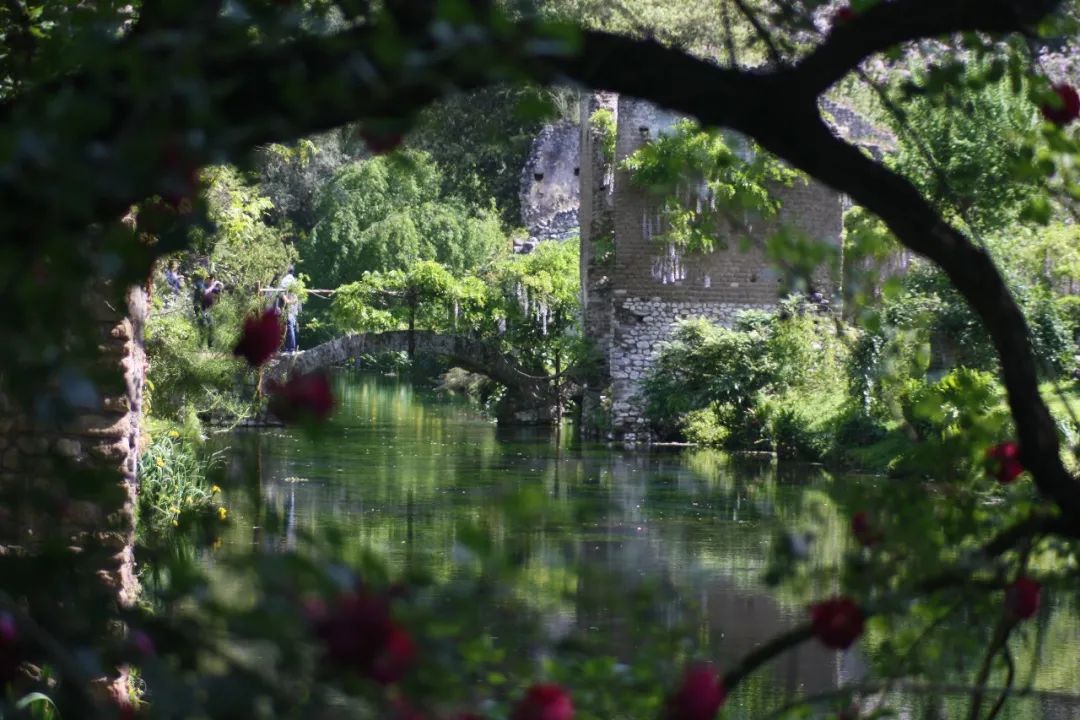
x=530 y=397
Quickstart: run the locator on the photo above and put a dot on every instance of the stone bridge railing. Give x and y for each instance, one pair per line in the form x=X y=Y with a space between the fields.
x=530 y=396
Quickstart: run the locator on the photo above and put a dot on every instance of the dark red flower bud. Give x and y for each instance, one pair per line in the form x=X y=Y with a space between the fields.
x=394 y=658
x=837 y=622
x=180 y=179
x=381 y=142
x=699 y=696
x=1022 y=598
x=126 y=710
x=9 y=649
x=315 y=610
x=1004 y=461
x=1066 y=109
x=9 y=632
x=544 y=701
x=303 y=397
x=863 y=529
x=851 y=712
x=843 y=16
x=354 y=629
x=141 y=644
x=403 y=710
x=261 y=337
x=358 y=632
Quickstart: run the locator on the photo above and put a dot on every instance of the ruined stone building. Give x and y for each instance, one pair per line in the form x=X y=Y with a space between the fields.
x=634 y=289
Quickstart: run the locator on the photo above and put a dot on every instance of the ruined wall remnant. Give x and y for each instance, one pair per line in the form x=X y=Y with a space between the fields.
x=69 y=474
x=597 y=185
x=549 y=185
x=648 y=287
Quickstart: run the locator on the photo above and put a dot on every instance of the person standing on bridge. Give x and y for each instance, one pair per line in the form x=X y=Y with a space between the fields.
x=292 y=311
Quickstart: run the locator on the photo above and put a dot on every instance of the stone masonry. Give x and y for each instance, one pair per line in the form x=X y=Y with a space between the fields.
x=649 y=288
x=549 y=186
x=48 y=463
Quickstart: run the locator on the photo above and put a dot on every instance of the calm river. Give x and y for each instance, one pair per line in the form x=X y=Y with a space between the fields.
x=403 y=471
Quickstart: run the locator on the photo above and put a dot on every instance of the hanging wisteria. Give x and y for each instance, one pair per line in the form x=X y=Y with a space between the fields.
x=668 y=267
x=538 y=309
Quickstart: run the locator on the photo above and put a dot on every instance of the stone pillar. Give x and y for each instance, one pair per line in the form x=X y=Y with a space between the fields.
x=68 y=483
x=597 y=184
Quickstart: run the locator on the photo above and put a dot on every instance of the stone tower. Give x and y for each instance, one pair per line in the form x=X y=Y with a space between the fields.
x=635 y=290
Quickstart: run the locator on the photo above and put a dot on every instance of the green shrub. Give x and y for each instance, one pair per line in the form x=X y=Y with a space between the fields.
x=703 y=427
x=173 y=482
x=739 y=387
x=705 y=365
x=797 y=426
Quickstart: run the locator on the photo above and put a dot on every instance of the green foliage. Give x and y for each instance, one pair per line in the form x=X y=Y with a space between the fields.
x=603 y=124
x=540 y=299
x=243 y=251
x=480 y=141
x=707 y=188
x=183 y=378
x=768 y=383
x=173 y=484
x=965 y=145
x=929 y=301
x=423 y=296
x=526 y=304
x=388 y=212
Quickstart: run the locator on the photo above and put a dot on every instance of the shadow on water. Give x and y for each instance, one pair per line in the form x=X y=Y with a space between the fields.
x=690 y=529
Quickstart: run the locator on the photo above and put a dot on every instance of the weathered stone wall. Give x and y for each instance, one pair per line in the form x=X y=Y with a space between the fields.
x=597 y=180
x=653 y=287
x=48 y=463
x=549 y=185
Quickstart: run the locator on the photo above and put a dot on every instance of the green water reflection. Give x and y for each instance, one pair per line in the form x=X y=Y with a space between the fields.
x=403 y=472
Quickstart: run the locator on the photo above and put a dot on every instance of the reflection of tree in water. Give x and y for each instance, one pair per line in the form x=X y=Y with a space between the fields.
x=631 y=551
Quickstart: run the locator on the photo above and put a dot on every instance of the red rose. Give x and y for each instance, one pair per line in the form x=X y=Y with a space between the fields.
x=395 y=657
x=303 y=397
x=544 y=701
x=843 y=16
x=837 y=622
x=1067 y=108
x=863 y=529
x=260 y=338
x=699 y=696
x=358 y=632
x=1022 y=598
x=1004 y=461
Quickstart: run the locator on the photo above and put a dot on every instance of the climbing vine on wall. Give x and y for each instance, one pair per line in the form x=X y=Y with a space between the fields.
x=709 y=188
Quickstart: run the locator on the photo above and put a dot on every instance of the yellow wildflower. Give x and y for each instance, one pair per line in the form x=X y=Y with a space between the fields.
x=159 y=462
x=222 y=513
x=174 y=434
x=214 y=489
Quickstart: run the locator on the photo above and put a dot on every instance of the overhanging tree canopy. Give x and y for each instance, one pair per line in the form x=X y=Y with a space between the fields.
x=155 y=96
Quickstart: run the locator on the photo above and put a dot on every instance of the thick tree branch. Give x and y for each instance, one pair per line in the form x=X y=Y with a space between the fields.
x=889 y=24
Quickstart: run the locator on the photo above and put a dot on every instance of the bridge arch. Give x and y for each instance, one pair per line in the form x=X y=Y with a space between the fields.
x=529 y=399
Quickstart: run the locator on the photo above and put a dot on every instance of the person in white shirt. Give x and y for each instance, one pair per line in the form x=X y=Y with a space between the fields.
x=292 y=312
